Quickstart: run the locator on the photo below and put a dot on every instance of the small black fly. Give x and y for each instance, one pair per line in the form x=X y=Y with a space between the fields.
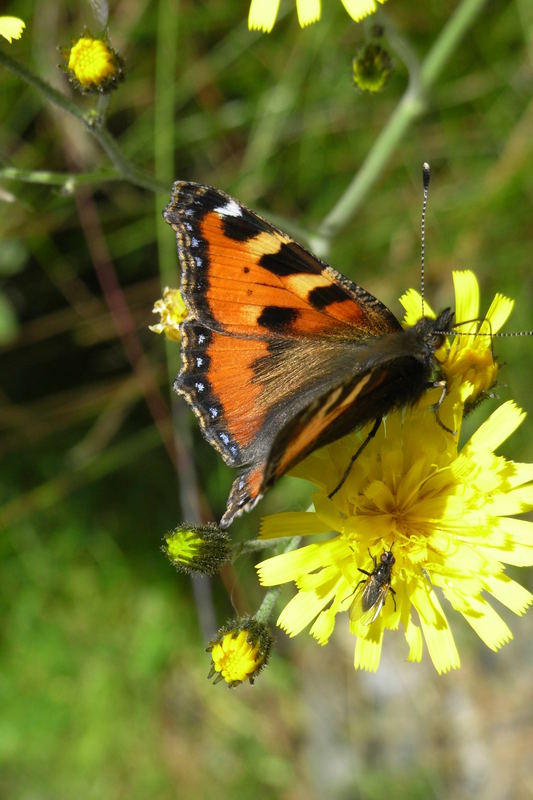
x=376 y=587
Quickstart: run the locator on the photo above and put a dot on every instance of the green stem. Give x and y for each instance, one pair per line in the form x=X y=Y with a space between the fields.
x=411 y=106
x=126 y=169
x=255 y=545
x=67 y=180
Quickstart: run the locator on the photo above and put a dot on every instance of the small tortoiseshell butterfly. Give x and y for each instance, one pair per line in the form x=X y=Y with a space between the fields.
x=281 y=354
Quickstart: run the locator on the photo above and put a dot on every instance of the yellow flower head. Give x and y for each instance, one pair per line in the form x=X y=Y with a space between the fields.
x=467 y=363
x=93 y=66
x=417 y=518
x=172 y=311
x=263 y=13
x=240 y=651
x=11 y=28
x=197 y=548
x=446 y=515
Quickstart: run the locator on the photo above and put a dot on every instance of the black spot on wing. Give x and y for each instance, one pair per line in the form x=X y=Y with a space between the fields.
x=242 y=228
x=277 y=318
x=290 y=261
x=323 y=296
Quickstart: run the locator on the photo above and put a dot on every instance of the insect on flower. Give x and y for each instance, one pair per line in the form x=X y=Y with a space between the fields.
x=375 y=589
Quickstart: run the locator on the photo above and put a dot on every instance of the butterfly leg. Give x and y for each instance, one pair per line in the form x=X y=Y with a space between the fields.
x=356 y=455
x=391 y=590
x=436 y=406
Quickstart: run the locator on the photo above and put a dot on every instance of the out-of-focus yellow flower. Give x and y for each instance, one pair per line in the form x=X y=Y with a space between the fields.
x=93 y=66
x=240 y=651
x=172 y=311
x=263 y=13
x=11 y=28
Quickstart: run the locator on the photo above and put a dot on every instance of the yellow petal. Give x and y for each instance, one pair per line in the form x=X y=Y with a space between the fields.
x=308 y=11
x=509 y=592
x=359 y=9
x=291 y=523
x=466 y=298
x=323 y=626
x=300 y=611
x=499 y=426
x=499 y=312
x=411 y=300
x=367 y=651
x=413 y=636
x=488 y=625
x=262 y=15
x=11 y=28
x=439 y=638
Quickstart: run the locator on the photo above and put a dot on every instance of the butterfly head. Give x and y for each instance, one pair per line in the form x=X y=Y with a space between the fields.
x=433 y=331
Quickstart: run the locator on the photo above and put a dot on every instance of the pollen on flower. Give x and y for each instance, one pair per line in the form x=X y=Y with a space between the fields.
x=240 y=651
x=172 y=312
x=93 y=66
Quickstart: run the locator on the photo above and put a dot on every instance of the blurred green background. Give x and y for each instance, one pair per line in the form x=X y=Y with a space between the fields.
x=103 y=689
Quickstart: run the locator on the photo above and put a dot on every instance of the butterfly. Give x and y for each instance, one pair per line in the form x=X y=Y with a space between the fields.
x=281 y=354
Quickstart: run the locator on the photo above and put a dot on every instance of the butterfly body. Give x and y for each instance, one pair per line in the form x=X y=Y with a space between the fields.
x=281 y=354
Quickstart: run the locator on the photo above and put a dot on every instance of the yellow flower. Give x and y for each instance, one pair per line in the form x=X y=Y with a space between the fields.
x=415 y=515
x=240 y=651
x=93 y=65
x=446 y=515
x=467 y=362
x=263 y=13
x=11 y=28
x=172 y=311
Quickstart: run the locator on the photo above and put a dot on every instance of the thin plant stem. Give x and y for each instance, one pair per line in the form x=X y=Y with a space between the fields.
x=68 y=181
x=89 y=120
x=412 y=105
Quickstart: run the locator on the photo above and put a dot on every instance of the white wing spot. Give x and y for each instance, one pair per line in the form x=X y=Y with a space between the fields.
x=201 y=339
x=231 y=209
x=198 y=261
x=194 y=242
x=199 y=361
x=224 y=437
x=200 y=386
x=213 y=411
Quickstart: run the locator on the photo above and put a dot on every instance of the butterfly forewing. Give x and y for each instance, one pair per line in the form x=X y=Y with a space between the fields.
x=243 y=276
x=281 y=354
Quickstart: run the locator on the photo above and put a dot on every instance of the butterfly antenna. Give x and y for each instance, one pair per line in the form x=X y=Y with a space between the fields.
x=425 y=181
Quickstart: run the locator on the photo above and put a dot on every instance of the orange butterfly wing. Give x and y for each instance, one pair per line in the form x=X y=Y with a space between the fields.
x=270 y=361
